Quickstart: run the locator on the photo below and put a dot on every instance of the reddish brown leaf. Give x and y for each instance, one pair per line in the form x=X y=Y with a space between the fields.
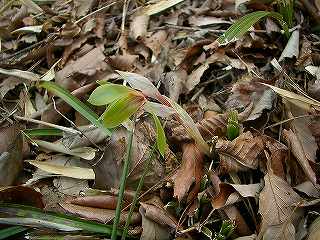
x=190 y=172
x=99 y=201
x=98 y=214
x=241 y=154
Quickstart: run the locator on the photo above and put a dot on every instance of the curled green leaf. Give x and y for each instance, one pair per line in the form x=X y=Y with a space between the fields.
x=161 y=137
x=122 y=109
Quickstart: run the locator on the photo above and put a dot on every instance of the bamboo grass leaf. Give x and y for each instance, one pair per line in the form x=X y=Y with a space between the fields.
x=107 y=93
x=52 y=220
x=122 y=109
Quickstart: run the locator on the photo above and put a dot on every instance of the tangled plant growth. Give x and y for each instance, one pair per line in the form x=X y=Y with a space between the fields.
x=170 y=119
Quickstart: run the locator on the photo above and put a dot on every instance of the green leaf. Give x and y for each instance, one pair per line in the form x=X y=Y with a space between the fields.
x=107 y=93
x=21 y=215
x=122 y=109
x=43 y=132
x=74 y=102
x=161 y=137
x=11 y=231
x=242 y=25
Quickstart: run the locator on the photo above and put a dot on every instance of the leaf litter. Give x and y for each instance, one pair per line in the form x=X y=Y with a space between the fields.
x=225 y=138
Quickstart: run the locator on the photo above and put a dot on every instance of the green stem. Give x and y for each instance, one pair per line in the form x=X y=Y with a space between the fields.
x=135 y=199
x=122 y=187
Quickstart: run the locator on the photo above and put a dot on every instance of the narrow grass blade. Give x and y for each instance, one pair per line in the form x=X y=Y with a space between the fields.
x=21 y=211
x=74 y=102
x=11 y=231
x=38 y=132
x=140 y=185
x=125 y=171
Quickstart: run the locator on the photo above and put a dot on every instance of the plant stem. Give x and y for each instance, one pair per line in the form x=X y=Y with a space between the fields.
x=135 y=199
x=122 y=186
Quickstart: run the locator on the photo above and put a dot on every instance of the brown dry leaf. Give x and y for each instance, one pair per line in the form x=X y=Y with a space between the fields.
x=305 y=57
x=152 y=230
x=174 y=83
x=213 y=125
x=241 y=154
x=156 y=42
x=194 y=78
x=231 y=211
x=21 y=194
x=278 y=155
x=276 y=206
x=139 y=26
x=98 y=214
x=292 y=48
x=87 y=65
x=108 y=168
x=300 y=154
x=190 y=172
x=158 y=214
x=11 y=154
x=247 y=91
x=232 y=193
x=124 y=62
x=99 y=201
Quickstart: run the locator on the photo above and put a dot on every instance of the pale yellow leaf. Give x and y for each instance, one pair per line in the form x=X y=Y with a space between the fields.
x=67 y=171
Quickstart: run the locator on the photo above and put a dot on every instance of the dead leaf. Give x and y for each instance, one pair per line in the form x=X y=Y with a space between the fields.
x=292 y=48
x=158 y=215
x=87 y=153
x=300 y=154
x=98 y=214
x=99 y=201
x=152 y=230
x=276 y=205
x=11 y=154
x=232 y=193
x=73 y=172
x=249 y=91
x=278 y=155
x=159 y=6
x=87 y=65
x=190 y=172
x=108 y=168
x=298 y=100
x=241 y=154
x=21 y=194
x=139 y=26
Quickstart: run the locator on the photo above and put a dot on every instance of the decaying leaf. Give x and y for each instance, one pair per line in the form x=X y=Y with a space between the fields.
x=190 y=172
x=98 y=214
x=108 y=168
x=276 y=206
x=241 y=154
x=74 y=172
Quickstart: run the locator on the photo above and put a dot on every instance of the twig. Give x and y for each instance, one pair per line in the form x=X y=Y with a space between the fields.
x=65 y=129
